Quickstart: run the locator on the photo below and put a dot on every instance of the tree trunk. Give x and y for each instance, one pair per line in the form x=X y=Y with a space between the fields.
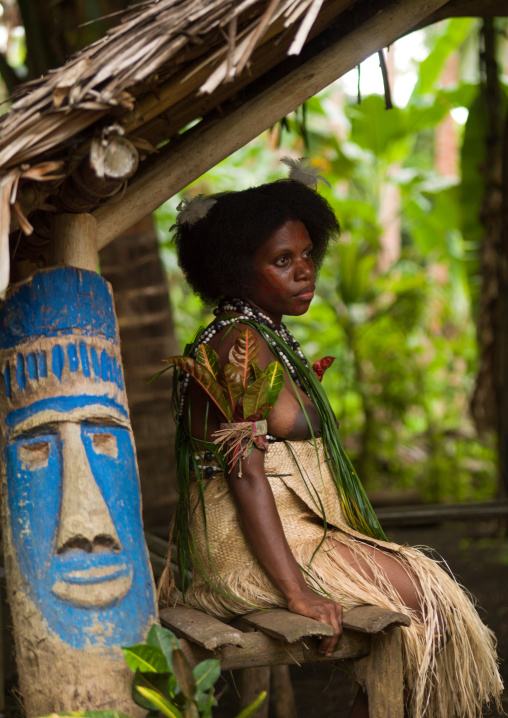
x=490 y=400
x=132 y=265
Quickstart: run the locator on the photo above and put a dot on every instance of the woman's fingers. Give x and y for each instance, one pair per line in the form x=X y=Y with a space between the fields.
x=334 y=619
x=325 y=611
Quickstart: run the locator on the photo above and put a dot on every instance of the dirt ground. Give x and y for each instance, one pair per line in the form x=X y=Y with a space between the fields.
x=477 y=556
x=479 y=560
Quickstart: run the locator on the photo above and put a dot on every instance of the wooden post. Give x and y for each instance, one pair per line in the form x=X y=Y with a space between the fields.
x=77 y=568
x=281 y=689
x=252 y=682
x=382 y=674
x=75 y=241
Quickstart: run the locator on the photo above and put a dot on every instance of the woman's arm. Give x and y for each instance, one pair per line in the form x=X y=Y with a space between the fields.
x=263 y=529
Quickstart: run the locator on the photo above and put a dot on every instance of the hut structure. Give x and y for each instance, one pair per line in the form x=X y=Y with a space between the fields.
x=86 y=152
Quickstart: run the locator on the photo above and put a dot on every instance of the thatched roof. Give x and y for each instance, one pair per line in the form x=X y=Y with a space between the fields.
x=114 y=120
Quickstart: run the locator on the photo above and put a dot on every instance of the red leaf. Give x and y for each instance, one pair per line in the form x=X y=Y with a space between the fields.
x=261 y=442
x=238 y=412
x=322 y=365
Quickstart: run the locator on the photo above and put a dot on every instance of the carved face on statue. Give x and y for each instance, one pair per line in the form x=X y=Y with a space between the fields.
x=73 y=490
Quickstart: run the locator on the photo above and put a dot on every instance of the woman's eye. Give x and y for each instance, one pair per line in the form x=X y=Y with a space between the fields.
x=106 y=444
x=281 y=261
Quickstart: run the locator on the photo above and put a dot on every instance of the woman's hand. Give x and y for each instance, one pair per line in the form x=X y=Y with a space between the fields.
x=321 y=609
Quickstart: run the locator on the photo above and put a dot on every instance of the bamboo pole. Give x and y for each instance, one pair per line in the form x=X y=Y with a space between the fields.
x=174 y=168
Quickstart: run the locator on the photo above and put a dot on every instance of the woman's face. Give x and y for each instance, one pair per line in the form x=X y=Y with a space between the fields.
x=284 y=276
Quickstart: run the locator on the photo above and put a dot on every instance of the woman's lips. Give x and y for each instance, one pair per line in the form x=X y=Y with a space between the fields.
x=305 y=293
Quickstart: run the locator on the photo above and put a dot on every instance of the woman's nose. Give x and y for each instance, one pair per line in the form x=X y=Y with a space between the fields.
x=85 y=520
x=304 y=268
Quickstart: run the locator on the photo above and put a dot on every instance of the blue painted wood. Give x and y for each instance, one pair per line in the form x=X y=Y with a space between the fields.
x=81 y=303
x=71 y=473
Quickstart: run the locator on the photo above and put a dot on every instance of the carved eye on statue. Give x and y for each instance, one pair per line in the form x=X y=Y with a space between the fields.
x=106 y=444
x=35 y=455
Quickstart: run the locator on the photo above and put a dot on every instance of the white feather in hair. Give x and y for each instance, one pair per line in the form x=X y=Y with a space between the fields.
x=192 y=210
x=302 y=171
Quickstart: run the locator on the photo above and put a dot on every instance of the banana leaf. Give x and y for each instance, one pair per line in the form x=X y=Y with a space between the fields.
x=205 y=379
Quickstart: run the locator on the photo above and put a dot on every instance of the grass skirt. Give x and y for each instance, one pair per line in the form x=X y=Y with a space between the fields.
x=454 y=680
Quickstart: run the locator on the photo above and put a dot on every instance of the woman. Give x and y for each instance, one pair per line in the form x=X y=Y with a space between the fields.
x=271 y=530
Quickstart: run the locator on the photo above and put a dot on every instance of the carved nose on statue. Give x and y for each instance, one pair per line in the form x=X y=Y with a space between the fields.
x=85 y=521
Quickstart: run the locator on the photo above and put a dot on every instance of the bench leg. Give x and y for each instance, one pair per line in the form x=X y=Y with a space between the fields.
x=283 y=697
x=383 y=674
x=252 y=681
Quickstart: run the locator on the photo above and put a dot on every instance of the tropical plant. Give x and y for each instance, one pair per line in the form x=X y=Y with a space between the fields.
x=89 y=714
x=165 y=684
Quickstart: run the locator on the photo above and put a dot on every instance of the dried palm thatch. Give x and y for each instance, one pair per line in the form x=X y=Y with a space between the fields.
x=210 y=42
x=162 y=56
x=167 y=64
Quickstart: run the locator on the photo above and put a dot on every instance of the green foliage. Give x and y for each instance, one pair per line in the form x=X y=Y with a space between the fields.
x=473 y=158
x=455 y=33
x=166 y=684
x=90 y=714
x=403 y=336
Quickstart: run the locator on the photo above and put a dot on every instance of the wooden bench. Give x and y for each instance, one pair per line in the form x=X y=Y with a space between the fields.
x=261 y=646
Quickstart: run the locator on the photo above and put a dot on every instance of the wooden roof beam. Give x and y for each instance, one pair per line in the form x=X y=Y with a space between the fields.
x=179 y=164
x=467 y=8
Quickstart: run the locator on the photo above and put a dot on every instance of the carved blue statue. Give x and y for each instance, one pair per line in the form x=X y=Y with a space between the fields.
x=76 y=555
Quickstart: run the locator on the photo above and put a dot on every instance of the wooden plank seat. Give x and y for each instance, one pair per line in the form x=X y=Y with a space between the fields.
x=263 y=644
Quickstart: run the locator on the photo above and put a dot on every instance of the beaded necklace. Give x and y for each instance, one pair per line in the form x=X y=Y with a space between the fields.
x=244 y=311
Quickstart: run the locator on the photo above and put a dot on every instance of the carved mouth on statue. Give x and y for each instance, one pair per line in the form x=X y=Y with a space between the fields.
x=95 y=586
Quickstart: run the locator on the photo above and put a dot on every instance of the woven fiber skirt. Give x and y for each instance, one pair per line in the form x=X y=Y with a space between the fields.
x=456 y=679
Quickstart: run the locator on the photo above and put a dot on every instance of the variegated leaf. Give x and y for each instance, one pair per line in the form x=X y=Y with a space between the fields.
x=230 y=380
x=206 y=356
x=255 y=396
x=205 y=379
x=256 y=371
x=244 y=353
x=275 y=375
